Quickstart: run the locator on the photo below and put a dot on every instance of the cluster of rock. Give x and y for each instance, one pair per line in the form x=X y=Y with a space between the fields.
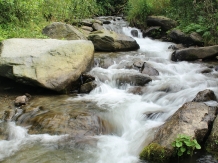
x=188 y=47
x=75 y=120
x=194 y=119
x=60 y=63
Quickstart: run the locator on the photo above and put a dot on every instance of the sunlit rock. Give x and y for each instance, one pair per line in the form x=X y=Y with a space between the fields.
x=206 y=95
x=105 y=40
x=192 y=119
x=49 y=63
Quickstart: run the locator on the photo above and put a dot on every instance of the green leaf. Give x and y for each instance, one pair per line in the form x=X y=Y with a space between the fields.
x=182 y=149
x=178 y=144
x=188 y=152
x=198 y=146
x=180 y=153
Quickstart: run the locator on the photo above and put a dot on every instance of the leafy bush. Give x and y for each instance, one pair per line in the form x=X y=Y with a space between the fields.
x=184 y=143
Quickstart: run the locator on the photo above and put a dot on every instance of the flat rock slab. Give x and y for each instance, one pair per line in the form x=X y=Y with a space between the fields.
x=47 y=63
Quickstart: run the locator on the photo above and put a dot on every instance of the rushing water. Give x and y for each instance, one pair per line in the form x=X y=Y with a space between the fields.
x=133 y=117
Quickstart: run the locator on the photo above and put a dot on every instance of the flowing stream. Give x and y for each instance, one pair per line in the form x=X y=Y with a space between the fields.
x=133 y=117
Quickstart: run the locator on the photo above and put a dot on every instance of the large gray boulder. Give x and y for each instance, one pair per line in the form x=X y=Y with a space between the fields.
x=164 y=22
x=178 y=36
x=48 y=63
x=192 y=119
x=58 y=30
x=105 y=40
x=191 y=54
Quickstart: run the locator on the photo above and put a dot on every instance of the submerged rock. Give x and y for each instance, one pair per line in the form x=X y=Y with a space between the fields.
x=105 y=40
x=57 y=116
x=132 y=79
x=49 y=63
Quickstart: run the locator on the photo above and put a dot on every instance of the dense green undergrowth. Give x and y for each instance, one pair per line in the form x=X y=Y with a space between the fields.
x=25 y=18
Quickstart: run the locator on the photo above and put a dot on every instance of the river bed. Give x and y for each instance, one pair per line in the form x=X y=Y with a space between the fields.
x=133 y=117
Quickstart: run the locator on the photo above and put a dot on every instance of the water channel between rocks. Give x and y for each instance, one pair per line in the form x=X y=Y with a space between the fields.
x=133 y=117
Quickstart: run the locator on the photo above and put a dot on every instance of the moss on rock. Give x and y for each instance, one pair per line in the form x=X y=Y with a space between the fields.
x=155 y=153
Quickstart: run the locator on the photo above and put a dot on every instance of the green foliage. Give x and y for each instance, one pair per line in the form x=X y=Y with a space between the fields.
x=196 y=15
x=138 y=10
x=25 y=18
x=111 y=7
x=184 y=144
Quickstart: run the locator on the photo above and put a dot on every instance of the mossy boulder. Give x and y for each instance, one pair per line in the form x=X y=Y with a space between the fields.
x=154 y=153
x=192 y=119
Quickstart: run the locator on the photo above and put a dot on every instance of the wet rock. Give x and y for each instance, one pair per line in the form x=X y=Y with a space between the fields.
x=76 y=124
x=88 y=87
x=212 y=141
x=138 y=64
x=137 y=90
x=176 y=47
x=58 y=116
x=97 y=27
x=191 y=54
x=22 y=100
x=105 y=40
x=8 y=115
x=153 y=32
x=134 y=33
x=106 y=22
x=147 y=69
x=206 y=70
x=48 y=63
x=183 y=122
x=164 y=22
x=86 y=28
x=58 y=30
x=189 y=40
x=206 y=95
x=132 y=79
